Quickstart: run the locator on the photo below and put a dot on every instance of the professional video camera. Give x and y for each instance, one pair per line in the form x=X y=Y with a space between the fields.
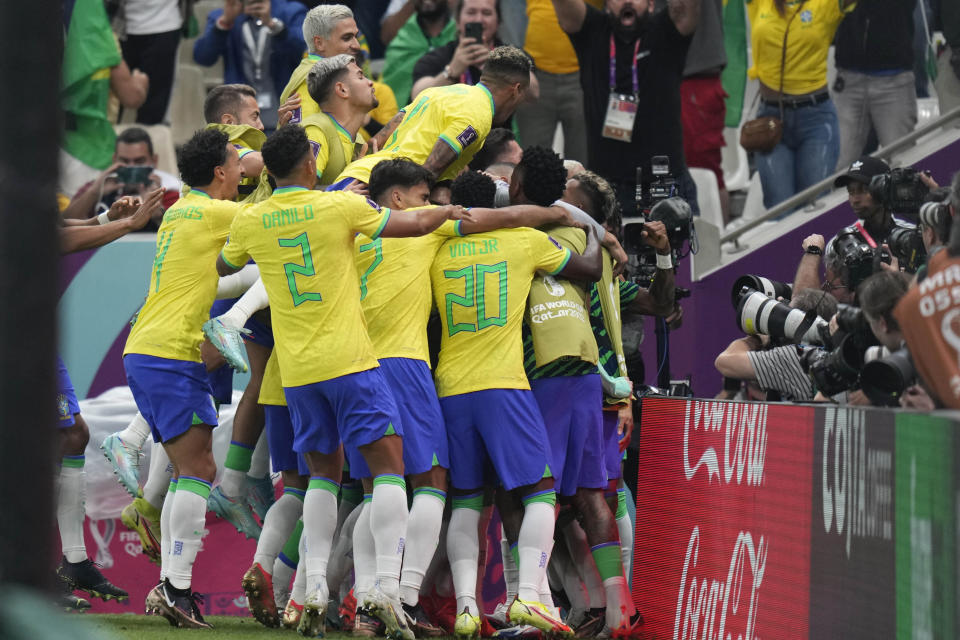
x=900 y=191
x=861 y=258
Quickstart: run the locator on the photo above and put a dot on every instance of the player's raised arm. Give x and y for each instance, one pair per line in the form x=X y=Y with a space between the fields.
x=78 y=238
x=418 y=222
x=570 y=14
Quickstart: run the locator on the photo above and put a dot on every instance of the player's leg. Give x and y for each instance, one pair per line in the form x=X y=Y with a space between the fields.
x=616 y=499
x=225 y=330
x=143 y=513
x=124 y=449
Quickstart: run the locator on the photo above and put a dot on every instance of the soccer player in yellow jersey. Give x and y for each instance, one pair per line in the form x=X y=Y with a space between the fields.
x=302 y=240
x=162 y=359
x=445 y=126
x=480 y=285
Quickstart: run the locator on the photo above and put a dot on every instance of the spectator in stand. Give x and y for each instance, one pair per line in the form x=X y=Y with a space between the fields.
x=558 y=74
x=149 y=33
x=460 y=60
x=810 y=146
x=261 y=42
x=703 y=100
x=416 y=28
x=875 y=86
x=134 y=149
x=632 y=102
x=948 y=60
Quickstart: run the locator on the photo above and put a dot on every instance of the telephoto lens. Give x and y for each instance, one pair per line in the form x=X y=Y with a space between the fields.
x=884 y=380
x=771 y=288
x=759 y=313
x=906 y=243
x=834 y=371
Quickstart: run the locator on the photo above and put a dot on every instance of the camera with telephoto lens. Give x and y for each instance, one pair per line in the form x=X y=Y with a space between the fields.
x=770 y=288
x=838 y=369
x=759 y=313
x=884 y=379
x=859 y=259
x=906 y=243
x=900 y=191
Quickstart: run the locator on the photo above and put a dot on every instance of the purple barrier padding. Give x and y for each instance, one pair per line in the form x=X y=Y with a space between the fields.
x=709 y=321
x=111 y=373
x=70 y=265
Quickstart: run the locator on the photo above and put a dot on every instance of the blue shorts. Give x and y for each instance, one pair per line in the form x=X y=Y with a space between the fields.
x=495 y=434
x=357 y=409
x=172 y=395
x=572 y=412
x=67 y=405
x=611 y=445
x=424 y=436
x=280 y=440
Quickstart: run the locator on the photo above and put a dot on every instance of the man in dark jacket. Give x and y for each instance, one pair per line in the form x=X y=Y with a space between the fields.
x=261 y=42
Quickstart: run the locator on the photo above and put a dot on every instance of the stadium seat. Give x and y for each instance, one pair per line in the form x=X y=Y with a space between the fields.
x=186 y=104
x=735 y=164
x=708 y=196
x=162 y=139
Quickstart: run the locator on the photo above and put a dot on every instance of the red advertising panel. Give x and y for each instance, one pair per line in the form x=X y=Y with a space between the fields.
x=722 y=545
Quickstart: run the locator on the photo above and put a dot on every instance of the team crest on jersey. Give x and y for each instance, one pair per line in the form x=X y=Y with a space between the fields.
x=63 y=407
x=553 y=287
x=467 y=137
x=315 y=147
x=806 y=17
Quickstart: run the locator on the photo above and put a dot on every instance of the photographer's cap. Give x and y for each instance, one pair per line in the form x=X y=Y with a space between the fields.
x=863 y=170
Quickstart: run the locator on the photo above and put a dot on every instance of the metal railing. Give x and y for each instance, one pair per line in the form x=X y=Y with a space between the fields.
x=809 y=195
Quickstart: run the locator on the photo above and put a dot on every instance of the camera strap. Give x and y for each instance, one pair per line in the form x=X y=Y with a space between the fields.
x=621 y=108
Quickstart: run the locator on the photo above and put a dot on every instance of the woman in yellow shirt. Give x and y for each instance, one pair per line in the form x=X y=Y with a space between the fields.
x=811 y=142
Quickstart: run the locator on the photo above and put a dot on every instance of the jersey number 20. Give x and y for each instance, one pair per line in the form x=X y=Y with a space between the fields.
x=475 y=297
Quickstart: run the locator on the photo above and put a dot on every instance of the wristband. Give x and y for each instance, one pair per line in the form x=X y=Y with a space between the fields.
x=664 y=261
x=103 y=218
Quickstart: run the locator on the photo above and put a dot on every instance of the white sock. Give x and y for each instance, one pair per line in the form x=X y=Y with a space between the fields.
x=579 y=549
x=165 y=535
x=341 y=557
x=282 y=574
x=565 y=571
x=260 y=462
x=534 y=545
x=625 y=529
x=233 y=483
x=546 y=595
x=364 y=552
x=158 y=476
x=509 y=566
x=278 y=524
x=70 y=508
x=249 y=303
x=619 y=602
x=463 y=551
x=388 y=519
x=423 y=535
x=299 y=591
x=187 y=518
x=235 y=284
x=136 y=433
x=319 y=524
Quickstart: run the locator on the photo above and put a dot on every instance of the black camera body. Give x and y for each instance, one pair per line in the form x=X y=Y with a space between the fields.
x=900 y=191
x=906 y=243
x=661 y=185
x=859 y=258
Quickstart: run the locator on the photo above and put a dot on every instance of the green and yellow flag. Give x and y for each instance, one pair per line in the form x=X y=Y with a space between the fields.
x=734 y=77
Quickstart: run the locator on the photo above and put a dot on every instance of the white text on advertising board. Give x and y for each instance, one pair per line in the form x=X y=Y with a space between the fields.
x=743 y=428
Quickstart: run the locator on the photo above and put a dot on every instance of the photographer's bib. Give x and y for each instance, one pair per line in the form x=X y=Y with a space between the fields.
x=621 y=108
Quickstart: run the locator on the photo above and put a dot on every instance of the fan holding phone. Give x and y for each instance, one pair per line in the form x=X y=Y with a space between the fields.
x=461 y=60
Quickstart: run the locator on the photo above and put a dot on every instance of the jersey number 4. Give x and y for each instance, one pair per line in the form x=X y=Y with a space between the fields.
x=475 y=297
x=292 y=269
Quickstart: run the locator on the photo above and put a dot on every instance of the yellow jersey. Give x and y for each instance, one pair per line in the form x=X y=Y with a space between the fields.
x=183 y=281
x=320 y=145
x=395 y=290
x=811 y=32
x=271 y=389
x=460 y=115
x=480 y=284
x=298 y=84
x=303 y=242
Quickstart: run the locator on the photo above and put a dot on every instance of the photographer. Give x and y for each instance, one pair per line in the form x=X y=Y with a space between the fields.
x=877 y=220
x=774 y=366
x=133 y=173
x=878 y=295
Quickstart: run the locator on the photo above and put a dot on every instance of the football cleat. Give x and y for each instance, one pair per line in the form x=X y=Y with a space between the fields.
x=227 y=341
x=85 y=576
x=69 y=601
x=536 y=614
x=390 y=612
x=178 y=606
x=467 y=625
x=125 y=461
x=591 y=624
x=235 y=511
x=498 y=619
x=313 y=618
x=420 y=623
x=520 y=631
x=144 y=518
x=258 y=586
x=365 y=626
x=260 y=495
x=291 y=614
x=631 y=629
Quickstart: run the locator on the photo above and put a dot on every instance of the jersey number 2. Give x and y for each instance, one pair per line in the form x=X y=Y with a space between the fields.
x=475 y=296
x=306 y=269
